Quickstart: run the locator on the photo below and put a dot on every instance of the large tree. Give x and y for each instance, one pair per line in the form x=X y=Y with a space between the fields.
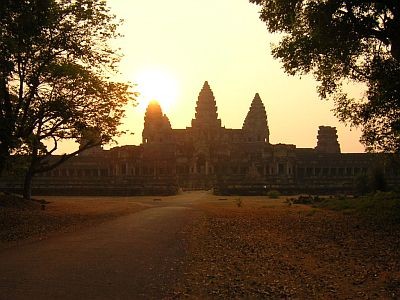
x=342 y=42
x=56 y=68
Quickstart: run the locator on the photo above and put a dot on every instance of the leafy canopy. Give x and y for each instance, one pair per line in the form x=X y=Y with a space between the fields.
x=56 y=70
x=343 y=42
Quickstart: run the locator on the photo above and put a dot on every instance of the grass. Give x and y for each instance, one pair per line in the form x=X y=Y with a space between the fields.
x=380 y=207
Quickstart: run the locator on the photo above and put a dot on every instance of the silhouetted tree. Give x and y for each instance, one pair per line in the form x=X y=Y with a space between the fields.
x=55 y=79
x=341 y=41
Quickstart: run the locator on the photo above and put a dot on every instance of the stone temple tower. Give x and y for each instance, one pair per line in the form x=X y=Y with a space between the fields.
x=206 y=118
x=327 y=140
x=255 y=126
x=91 y=136
x=157 y=128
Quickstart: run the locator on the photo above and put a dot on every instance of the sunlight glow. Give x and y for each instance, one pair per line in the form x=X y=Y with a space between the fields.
x=159 y=85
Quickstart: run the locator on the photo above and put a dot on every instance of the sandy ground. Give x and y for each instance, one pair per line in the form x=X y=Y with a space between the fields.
x=246 y=247
x=136 y=256
x=26 y=223
x=61 y=214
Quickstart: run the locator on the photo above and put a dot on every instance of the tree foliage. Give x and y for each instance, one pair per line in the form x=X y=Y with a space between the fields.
x=56 y=69
x=341 y=42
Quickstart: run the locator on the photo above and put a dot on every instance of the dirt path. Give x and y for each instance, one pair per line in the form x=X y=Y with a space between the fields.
x=199 y=246
x=135 y=256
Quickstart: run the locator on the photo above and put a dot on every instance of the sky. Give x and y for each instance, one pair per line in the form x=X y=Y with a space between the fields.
x=171 y=47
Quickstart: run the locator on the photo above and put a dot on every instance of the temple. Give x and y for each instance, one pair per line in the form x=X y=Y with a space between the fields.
x=207 y=155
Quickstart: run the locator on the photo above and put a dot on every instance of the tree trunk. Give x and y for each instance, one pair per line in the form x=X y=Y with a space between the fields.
x=28 y=185
x=4 y=155
x=6 y=122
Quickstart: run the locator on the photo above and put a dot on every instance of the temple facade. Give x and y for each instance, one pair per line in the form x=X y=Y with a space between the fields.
x=207 y=155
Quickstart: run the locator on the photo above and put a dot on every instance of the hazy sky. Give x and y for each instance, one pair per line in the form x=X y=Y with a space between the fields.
x=171 y=47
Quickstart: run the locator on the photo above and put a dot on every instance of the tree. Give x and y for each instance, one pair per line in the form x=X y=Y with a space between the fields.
x=55 y=79
x=343 y=42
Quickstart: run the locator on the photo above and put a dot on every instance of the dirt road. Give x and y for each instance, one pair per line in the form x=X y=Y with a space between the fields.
x=133 y=257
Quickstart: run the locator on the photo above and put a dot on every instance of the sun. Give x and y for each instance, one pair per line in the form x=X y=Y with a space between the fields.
x=159 y=85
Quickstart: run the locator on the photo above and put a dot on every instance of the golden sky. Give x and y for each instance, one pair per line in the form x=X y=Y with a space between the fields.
x=171 y=47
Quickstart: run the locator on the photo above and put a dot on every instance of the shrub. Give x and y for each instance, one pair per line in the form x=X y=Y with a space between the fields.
x=273 y=194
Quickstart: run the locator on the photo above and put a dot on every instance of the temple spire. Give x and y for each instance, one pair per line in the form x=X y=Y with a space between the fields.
x=206 y=109
x=255 y=124
x=327 y=140
x=157 y=127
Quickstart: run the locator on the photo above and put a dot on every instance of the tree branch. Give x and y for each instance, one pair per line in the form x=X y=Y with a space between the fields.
x=64 y=158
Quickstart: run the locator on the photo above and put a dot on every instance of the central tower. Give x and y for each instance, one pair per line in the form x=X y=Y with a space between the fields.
x=205 y=134
x=206 y=117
